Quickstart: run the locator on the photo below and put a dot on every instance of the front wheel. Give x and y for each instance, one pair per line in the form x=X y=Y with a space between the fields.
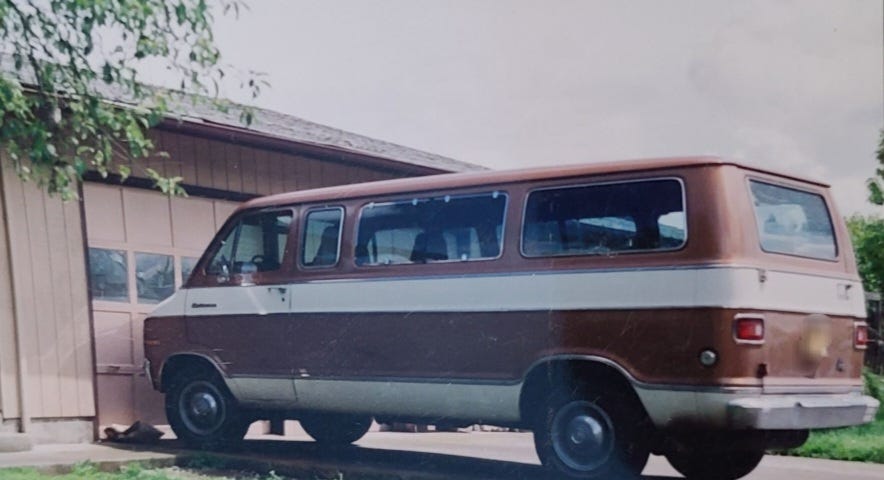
x=696 y=463
x=584 y=434
x=335 y=429
x=202 y=412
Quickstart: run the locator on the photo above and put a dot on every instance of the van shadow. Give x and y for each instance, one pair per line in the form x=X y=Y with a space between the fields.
x=306 y=459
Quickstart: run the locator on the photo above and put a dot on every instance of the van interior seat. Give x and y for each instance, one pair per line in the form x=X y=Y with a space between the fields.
x=327 y=253
x=429 y=247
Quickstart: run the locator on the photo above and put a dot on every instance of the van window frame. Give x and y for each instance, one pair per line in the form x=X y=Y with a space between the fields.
x=790 y=186
x=428 y=195
x=303 y=235
x=200 y=276
x=684 y=204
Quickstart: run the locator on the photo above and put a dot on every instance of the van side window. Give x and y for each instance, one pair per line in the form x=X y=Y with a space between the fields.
x=321 y=244
x=426 y=230
x=793 y=222
x=605 y=218
x=256 y=244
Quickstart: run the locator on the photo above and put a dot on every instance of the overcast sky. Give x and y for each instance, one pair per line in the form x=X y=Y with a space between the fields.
x=794 y=85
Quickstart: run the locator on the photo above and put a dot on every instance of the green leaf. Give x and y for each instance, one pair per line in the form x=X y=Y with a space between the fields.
x=124 y=172
x=107 y=73
x=181 y=13
x=65 y=128
x=876 y=195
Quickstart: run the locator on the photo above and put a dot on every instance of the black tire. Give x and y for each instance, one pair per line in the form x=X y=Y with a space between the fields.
x=202 y=412
x=697 y=463
x=335 y=429
x=593 y=435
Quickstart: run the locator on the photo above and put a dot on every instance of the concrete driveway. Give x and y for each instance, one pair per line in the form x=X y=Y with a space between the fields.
x=487 y=455
x=411 y=456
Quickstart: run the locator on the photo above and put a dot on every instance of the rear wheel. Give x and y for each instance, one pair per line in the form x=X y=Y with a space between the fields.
x=335 y=429
x=202 y=412
x=697 y=463
x=588 y=435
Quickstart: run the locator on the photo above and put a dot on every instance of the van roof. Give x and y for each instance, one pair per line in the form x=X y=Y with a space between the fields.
x=491 y=177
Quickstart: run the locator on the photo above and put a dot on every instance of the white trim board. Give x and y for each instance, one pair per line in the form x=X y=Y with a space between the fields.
x=719 y=287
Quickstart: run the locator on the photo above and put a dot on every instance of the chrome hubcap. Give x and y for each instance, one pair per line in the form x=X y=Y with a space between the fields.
x=585 y=429
x=582 y=436
x=203 y=405
x=202 y=408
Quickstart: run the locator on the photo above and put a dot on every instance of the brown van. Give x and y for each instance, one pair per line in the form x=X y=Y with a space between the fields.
x=690 y=307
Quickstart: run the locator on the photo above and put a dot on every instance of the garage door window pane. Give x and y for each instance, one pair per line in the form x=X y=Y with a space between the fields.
x=155 y=275
x=108 y=275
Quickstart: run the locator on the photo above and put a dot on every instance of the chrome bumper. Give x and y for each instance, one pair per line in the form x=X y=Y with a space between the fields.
x=799 y=412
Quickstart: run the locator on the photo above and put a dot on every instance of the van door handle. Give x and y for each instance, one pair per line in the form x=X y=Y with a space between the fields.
x=280 y=290
x=203 y=305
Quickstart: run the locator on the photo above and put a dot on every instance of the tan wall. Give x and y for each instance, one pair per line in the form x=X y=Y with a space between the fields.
x=47 y=272
x=8 y=350
x=237 y=168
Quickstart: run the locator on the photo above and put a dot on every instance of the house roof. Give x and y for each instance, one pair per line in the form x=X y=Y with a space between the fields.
x=273 y=125
x=290 y=128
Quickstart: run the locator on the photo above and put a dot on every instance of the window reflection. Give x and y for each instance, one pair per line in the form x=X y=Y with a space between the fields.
x=187 y=266
x=108 y=275
x=793 y=222
x=320 y=247
x=605 y=219
x=430 y=230
x=155 y=275
x=256 y=244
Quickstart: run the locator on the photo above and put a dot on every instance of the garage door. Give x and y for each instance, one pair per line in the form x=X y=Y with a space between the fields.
x=141 y=245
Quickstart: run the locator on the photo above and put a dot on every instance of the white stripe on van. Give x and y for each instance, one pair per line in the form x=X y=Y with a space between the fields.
x=725 y=287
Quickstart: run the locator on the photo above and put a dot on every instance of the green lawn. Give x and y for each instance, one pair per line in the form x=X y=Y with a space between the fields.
x=864 y=443
x=131 y=472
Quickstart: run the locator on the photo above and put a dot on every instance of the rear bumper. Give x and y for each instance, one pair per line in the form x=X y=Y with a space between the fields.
x=752 y=409
x=797 y=412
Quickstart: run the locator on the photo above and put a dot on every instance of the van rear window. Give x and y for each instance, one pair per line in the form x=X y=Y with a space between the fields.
x=793 y=222
x=427 y=230
x=604 y=219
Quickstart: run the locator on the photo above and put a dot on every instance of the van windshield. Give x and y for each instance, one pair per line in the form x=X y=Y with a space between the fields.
x=793 y=222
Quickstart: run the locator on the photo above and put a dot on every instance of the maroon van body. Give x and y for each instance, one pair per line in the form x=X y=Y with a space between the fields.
x=692 y=307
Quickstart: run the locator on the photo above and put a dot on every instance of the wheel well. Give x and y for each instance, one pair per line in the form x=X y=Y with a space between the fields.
x=545 y=377
x=178 y=364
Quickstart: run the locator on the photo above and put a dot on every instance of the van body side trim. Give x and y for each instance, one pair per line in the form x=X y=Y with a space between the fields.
x=736 y=288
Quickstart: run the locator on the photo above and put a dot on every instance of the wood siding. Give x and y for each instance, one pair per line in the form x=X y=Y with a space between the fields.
x=44 y=283
x=8 y=348
x=231 y=167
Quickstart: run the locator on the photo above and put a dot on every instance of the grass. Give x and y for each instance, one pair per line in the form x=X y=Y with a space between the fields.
x=864 y=443
x=134 y=471
x=88 y=471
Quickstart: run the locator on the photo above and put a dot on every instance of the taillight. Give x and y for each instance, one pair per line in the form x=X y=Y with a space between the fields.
x=749 y=329
x=860 y=336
